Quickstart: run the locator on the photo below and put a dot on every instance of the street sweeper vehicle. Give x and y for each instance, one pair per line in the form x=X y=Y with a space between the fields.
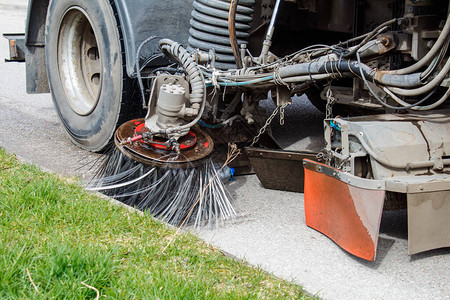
x=168 y=87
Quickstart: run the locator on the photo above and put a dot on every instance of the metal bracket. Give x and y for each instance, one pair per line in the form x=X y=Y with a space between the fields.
x=152 y=115
x=16 y=46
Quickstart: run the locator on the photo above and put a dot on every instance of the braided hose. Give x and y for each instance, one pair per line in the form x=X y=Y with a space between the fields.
x=197 y=97
x=177 y=53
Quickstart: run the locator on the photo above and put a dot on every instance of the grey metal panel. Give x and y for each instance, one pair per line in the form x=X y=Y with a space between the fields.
x=35 y=26
x=141 y=19
x=428 y=221
x=16 y=46
x=36 y=72
x=436 y=133
x=395 y=142
x=368 y=184
x=403 y=139
x=418 y=184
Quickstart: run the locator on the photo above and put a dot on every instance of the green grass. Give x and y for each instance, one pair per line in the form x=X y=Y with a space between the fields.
x=64 y=236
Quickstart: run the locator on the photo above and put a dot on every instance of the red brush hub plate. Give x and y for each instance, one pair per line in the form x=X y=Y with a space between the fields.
x=195 y=146
x=186 y=142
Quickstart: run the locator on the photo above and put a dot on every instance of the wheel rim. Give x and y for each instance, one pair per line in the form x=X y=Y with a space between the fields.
x=79 y=61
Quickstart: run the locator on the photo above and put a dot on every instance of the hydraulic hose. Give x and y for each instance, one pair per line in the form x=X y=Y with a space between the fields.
x=369 y=36
x=436 y=61
x=430 y=55
x=366 y=83
x=198 y=88
x=176 y=52
x=428 y=87
x=416 y=107
x=138 y=70
x=344 y=65
x=209 y=28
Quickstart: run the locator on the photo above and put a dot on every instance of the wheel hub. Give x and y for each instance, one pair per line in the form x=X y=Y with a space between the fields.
x=79 y=61
x=194 y=146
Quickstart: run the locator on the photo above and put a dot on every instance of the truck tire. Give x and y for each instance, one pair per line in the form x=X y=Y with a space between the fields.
x=85 y=67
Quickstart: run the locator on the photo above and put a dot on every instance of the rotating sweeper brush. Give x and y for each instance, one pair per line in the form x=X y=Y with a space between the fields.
x=173 y=186
x=161 y=163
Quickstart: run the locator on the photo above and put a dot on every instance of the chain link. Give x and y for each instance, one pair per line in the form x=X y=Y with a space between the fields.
x=268 y=121
x=324 y=156
x=282 y=115
x=331 y=100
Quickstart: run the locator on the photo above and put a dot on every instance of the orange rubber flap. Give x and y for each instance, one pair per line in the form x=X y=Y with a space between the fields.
x=347 y=214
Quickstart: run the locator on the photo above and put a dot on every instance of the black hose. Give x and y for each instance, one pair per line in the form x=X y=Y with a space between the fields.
x=344 y=65
x=169 y=69
x=368 y=37
x=138 y=69
x=384 y=103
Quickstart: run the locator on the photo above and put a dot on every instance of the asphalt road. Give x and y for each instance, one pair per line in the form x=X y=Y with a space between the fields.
x=270 y=230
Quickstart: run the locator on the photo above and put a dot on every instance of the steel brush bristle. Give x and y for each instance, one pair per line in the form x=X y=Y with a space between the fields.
x=195 y=195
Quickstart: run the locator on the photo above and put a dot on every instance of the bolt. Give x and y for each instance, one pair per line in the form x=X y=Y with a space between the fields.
x=421 y=188
x=386 y=41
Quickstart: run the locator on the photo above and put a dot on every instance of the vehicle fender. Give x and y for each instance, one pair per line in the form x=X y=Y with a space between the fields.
x=138 y=20
x=141 y=19
x=36 y=73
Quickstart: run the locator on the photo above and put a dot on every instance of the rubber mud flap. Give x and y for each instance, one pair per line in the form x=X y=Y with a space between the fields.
x=347 y=214
x=428 y=221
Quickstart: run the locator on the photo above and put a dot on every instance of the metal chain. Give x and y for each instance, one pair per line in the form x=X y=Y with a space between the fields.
x=321 y=157
x=268 y=121
x=330 y=102
x=324 y=156
x=282 y=115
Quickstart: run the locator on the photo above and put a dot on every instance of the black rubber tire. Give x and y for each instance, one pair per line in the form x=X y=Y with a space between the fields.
x=92 y=130
x=313 y=94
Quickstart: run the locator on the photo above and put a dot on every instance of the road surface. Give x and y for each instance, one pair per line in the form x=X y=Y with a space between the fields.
x=270 y=230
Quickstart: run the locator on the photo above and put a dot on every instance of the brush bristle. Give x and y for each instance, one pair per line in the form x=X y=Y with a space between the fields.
x=194 y=195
